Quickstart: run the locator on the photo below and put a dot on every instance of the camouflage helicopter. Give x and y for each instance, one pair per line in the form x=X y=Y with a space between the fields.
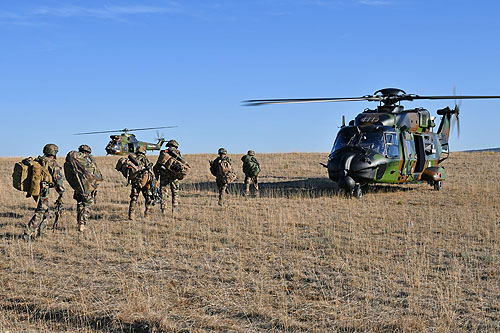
x=125 y=143
x=388 y=144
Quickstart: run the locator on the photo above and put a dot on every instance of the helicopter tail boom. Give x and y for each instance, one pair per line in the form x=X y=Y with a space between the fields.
x=445 y=125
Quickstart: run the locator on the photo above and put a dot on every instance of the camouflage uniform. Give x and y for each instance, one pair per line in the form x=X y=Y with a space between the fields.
x=83 y=201
x=165 y=179
x=249 y=178
x=139 y=156
x=37 y=224
x=220 y=180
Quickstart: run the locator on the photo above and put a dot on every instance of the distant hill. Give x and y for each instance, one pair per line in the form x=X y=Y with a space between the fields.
x=481 y=150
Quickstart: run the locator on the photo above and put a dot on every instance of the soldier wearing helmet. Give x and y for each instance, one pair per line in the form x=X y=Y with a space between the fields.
x=222 y=169
x=166 y=178
x=139 y=164
x=251 y=169
x=51 y=177
x=84 y=176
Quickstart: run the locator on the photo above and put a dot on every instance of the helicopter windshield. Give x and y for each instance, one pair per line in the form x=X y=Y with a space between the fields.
x=351 y=136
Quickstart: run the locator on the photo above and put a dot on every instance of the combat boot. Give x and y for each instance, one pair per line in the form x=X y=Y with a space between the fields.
x=81 y=227
x=147 y=211
x=175 y=209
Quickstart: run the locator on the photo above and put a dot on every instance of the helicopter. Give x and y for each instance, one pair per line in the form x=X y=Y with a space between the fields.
x=388 y=144
x=125 y=143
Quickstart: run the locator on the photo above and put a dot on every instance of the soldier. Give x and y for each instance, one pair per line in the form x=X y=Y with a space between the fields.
x=222 y=169
x=52 y=178
x=167 y=178
x=141 y=163
x=84 y=176
x=251 y=169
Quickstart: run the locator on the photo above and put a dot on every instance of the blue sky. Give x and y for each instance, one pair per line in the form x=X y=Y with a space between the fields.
x=79 y=66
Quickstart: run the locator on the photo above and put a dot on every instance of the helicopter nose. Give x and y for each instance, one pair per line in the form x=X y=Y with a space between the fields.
x=350 y=166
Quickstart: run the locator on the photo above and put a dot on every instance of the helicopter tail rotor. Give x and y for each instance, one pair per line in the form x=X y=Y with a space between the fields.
x=456 y=111
x=159 y=136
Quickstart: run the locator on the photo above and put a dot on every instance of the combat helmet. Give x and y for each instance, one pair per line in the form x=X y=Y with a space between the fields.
x=141 y=150
x=50 y=149
x=84 y=149
x=172 y=143
x=222 y=151
x=251 y=153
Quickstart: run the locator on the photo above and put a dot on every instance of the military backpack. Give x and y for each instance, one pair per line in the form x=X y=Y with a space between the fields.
x=29 y=174
x=225 y=171
x=250 y=166
x=82 y=173
x=172 y=167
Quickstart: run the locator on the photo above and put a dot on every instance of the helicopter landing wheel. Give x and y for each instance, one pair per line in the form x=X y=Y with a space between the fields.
x=357 y=192
x=438 y=186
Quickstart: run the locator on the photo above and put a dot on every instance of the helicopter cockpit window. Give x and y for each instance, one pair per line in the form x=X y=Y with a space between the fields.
x=392 y=144
x=350 y=136
x=373 y=140
x=344 y=138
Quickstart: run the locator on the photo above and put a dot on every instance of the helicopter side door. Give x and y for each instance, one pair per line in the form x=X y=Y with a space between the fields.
x=409 y=157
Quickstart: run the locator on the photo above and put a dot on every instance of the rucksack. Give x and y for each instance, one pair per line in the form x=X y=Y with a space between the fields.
x=28 y=175
x=172 y=167
x=250 y=166
x=82 y=173
x=122 y=166
x=225 y=171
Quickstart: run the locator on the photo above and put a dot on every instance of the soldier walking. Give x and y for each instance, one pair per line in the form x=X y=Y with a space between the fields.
x=251 y=169
x=83 y=175
x=51 y=177
x=222 y=169
x=166 y=177
x=139 y=184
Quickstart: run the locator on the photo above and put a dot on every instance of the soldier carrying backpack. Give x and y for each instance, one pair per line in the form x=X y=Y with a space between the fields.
x=142 y=179
x=36 y=177
x=170 y=168
x=222 y=169
x=83 y=176
x=251 y=169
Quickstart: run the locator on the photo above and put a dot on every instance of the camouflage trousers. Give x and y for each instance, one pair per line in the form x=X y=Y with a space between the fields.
x=174 y=188
x=37 y=224
x=222 y=187
x=255 y=183
x=83 y=203
x=134 y=196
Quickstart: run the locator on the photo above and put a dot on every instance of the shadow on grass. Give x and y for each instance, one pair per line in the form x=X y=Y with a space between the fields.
x=74 y=319
x=11 y=215
x=311 y=187
x=10 y=235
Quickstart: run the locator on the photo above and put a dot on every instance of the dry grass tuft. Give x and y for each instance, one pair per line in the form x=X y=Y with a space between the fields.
x=299 y=258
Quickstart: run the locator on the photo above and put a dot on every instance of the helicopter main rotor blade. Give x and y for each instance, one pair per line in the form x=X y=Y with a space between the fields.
x=148 y=128
x=412 y=97
x=255 y=102
x=125 y=130
x=372 y=98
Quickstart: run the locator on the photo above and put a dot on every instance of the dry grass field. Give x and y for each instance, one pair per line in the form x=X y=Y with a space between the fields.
x=298 y=258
